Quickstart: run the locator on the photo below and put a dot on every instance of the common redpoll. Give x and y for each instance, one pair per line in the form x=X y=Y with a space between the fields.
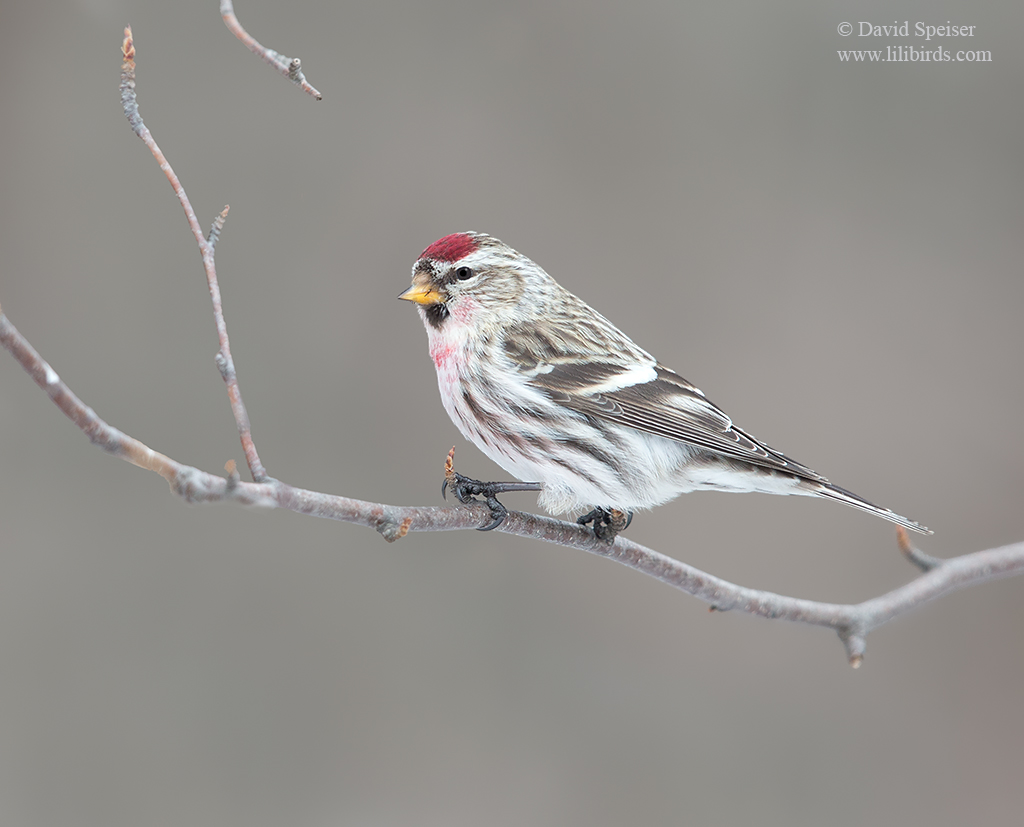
x=555 y=394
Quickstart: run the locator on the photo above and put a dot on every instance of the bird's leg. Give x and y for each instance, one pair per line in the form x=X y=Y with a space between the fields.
x=467 y=490
x=608 y=522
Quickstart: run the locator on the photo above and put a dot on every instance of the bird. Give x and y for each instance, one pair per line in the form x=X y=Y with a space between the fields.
x=570 y=406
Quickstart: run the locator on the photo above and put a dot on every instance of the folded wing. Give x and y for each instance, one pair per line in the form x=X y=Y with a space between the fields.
x=651 y=398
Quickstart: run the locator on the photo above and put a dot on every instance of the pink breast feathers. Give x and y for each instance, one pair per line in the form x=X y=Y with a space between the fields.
x=449 y=343
x=443 y=353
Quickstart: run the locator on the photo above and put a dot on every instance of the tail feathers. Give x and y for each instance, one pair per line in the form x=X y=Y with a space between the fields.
x=834 y=492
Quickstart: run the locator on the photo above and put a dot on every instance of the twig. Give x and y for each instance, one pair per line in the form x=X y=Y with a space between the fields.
x=291 y=68
x=923 y=561
x=851 y=622
x=217 y=228
x=206 y=249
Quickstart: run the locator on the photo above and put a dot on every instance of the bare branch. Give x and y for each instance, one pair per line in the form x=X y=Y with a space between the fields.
x=852 y=623
x=206 y=249
x=291 y=68
x=99 y=432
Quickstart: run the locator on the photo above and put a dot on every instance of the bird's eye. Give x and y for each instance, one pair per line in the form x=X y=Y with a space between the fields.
x=463 y=273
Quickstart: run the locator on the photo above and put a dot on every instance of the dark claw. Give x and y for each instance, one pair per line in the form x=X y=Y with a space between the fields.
x=498 y=514
x=608 y=522
x=466 y=490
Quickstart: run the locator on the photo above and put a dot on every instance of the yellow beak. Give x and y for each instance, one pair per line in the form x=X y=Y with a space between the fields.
x=422 y=292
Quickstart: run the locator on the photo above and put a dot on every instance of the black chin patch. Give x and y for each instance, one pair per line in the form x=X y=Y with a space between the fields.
x=436 y=314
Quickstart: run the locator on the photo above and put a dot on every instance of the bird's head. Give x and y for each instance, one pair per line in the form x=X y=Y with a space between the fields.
x=474 y=279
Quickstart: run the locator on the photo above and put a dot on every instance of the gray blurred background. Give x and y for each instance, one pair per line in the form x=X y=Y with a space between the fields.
x=831 y=251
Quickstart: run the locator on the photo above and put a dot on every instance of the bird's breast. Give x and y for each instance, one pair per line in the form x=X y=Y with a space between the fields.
x=449 y=350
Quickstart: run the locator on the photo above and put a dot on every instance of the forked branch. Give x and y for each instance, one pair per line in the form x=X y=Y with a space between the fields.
x=851 y=622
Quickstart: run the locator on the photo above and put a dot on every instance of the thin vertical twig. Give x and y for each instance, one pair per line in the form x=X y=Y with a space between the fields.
x=206 y=248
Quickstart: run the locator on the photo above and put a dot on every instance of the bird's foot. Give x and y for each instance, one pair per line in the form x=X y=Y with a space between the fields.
x=608 y=522
x=468 y=490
